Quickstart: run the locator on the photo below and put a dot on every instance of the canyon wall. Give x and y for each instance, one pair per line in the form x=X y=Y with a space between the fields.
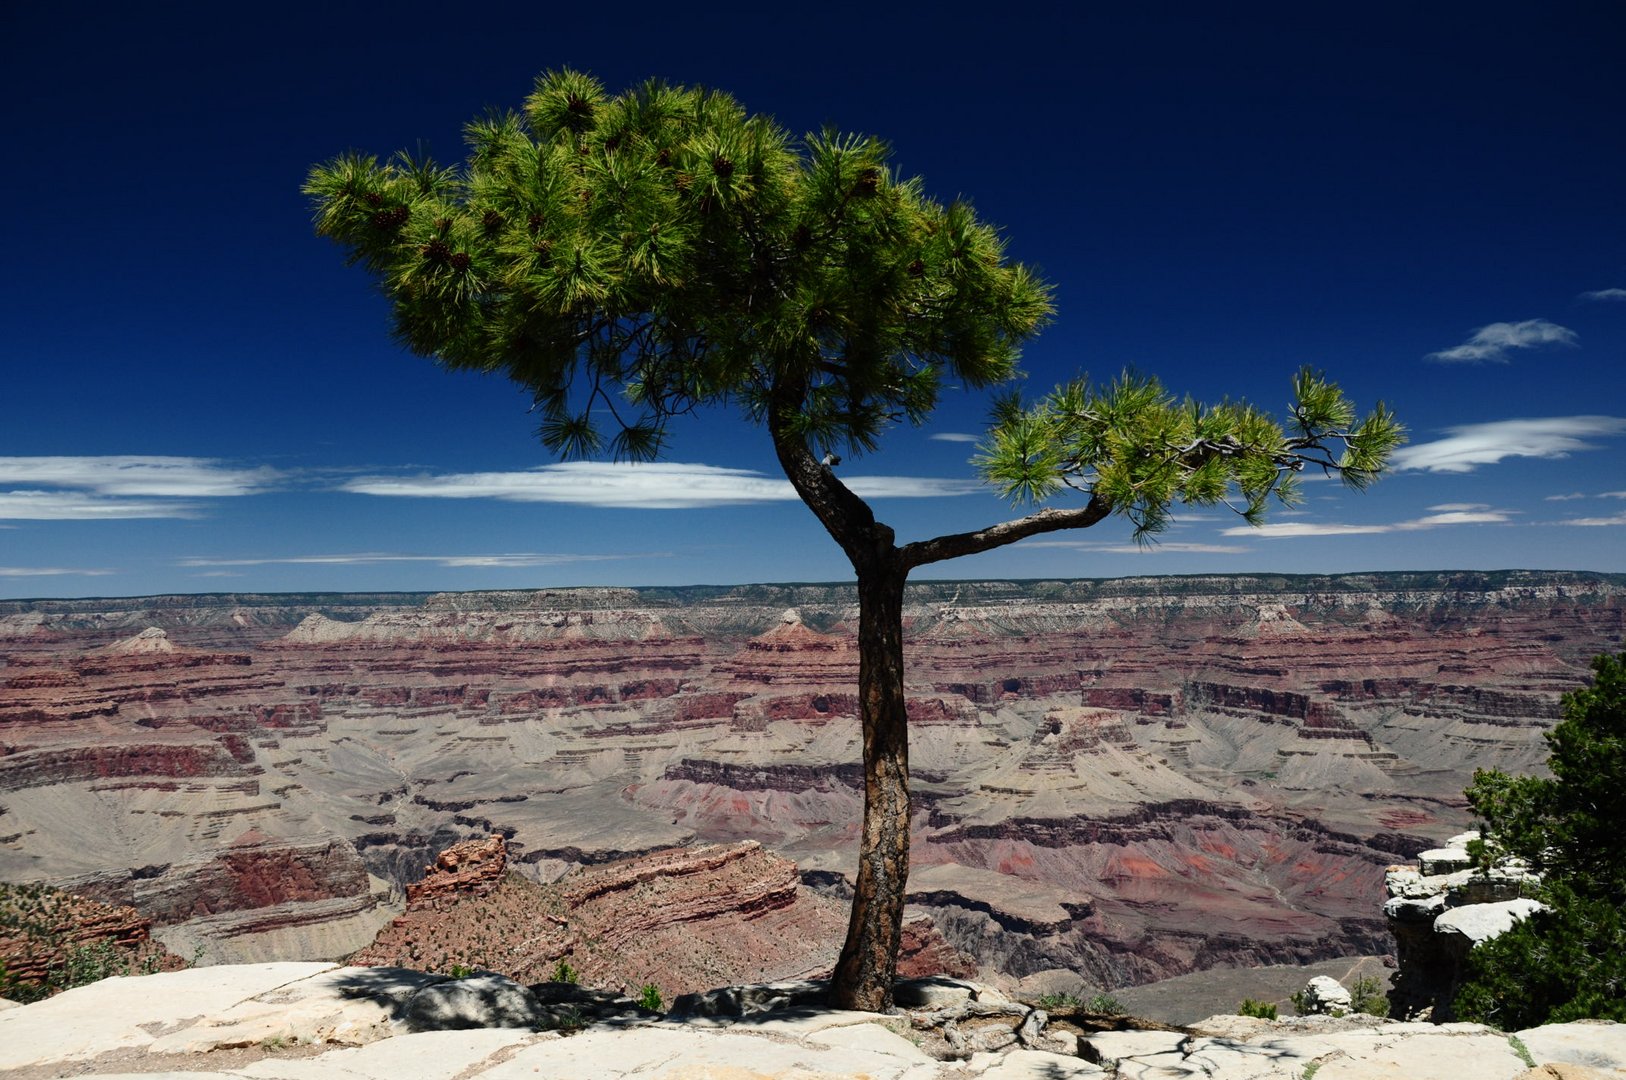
x=1130 y=778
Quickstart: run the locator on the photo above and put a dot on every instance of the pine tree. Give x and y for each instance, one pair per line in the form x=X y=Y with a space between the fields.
x=647 y=254
x=1568 y=962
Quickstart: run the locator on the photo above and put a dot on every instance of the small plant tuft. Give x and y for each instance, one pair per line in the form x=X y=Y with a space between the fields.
x=1522 y=1050
x=1105 y=1003
x=1264 y=1010
x=564 y=973
x=650 y=998
x=1052 y=1002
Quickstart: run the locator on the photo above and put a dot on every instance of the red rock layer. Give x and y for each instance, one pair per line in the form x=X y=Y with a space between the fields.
x=1158 y=774
x=685 y=920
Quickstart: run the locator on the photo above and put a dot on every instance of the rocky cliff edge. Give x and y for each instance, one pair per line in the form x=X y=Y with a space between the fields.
x=307 y=1021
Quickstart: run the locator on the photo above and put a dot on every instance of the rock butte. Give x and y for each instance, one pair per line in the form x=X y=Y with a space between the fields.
x=1123 y=780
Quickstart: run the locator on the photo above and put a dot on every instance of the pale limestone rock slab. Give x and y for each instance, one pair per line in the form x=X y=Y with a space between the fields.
x=1251 y=1060
x=660 y=1053
x=934 y=992
x=348 y=1005
x=430 y=1055
x=1039 y=1065
x=1120 y=1045
x=1481 y=922
x=1167 y=1066
x=1562 y=1070
x=1386 y=1053
x=131 y=1012
x=1225 y=1026
x=794 y=1024
x=7 y=1003
x=1598 y=1043
x=872 y=1037
x=1446 y=860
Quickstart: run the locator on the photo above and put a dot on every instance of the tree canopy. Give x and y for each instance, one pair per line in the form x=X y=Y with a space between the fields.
x=1569 y=962
x=660 y=250
x=643 y=255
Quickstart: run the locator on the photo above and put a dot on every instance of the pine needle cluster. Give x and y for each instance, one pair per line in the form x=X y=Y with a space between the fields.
x=1134 y=446
x=639 y=255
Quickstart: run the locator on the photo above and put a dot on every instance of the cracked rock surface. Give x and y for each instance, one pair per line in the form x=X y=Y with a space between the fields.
x=315 y=1021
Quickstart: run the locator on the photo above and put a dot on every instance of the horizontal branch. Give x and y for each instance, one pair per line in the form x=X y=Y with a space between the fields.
x=956 y=545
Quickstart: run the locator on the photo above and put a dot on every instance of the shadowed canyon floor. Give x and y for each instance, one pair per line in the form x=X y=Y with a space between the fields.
x=1125 y=780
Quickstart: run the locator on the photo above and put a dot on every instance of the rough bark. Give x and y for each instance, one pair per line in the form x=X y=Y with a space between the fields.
x=869 y=959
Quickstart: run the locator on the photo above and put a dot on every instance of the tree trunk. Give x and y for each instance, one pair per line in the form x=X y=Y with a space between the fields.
x=869 y=959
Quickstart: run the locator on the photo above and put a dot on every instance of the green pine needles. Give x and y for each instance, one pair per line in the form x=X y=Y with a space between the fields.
x=647 y=253
x=1569 y=962
x=1136 y=447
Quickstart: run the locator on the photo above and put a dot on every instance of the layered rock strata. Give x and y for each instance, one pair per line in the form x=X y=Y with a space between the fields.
x=46 y=933
x=1128 y=779
x=682 y=919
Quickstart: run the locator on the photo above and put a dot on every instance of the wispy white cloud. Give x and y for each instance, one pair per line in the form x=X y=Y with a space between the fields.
x=1604 y=294
x=52 y=571
x=651 y=486
x=1612 y=495
x=130 y=474
x=1564 y=498
x=1479 y=515
x=1446 y=508
x=80 y=506
x=1168 y=546
x=1614 y=519
x=1469 y=446
x=1494 y=343
x=120 y=486
x=954 y=436
x=519 y=560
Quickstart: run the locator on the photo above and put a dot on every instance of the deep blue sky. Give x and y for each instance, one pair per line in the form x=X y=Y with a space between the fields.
x=1426 y=200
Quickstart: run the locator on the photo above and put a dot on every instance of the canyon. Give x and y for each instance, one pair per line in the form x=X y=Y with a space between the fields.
x=1120 y=780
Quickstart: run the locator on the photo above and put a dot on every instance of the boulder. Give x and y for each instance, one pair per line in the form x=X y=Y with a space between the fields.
x=754 y=999
x=1327 y=996
x=1481 y=922
x=483 y=1000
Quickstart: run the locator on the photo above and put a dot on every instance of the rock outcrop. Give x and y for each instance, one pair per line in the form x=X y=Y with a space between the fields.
x=471 y=868
x=48 y=936
x=315 y=1022
x=681 y=919
x=1441 y=909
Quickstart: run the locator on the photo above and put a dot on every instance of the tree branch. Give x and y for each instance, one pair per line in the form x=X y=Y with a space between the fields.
x=955 y=545
x=845 y=516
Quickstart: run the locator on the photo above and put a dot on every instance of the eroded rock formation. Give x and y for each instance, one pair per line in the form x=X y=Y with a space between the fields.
x=683 y=919
x=1128 y=779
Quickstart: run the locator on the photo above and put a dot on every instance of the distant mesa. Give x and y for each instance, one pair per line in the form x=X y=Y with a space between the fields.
x=149 y=641
x=790 y=634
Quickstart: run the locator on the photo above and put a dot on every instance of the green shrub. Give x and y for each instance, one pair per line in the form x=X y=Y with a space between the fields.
x=564 y=973
x=1264 y=1010
x=1569 y=962
x=1367 y=996
x=650 y=997
x=1105 y=1003
x=1051 y=1002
